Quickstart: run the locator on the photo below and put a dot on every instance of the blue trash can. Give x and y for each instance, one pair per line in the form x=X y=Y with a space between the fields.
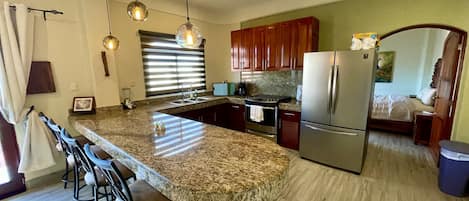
x=454 y=168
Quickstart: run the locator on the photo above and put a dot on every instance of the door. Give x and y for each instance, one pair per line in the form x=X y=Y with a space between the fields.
x=317 y=74
x=302 y=40
x=257 y=56
x=352 y=88
x=11 y=182
x=236 y=37
x=342 y=148
x=444 y=101
x=272 y=48
x=246 y=49
x=285 y=45
x=236 y=117
x=289 y=129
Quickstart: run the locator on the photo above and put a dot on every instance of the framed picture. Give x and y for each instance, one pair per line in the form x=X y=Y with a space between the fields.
x=384 y=70
x=83 y=104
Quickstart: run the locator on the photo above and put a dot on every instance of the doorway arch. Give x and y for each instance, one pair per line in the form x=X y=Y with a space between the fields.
x=455 y=92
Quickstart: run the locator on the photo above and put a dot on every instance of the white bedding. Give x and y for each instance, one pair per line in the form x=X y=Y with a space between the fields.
x=397 y=108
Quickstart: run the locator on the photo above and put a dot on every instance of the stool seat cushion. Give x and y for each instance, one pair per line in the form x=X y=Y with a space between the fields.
x=99 y=152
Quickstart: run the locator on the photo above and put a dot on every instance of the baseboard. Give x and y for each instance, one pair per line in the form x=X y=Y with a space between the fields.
x=46 y=180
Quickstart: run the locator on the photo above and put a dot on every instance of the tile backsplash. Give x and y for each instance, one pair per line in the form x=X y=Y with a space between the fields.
x=283 y=83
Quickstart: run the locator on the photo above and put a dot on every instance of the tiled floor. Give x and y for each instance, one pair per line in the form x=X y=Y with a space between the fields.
x=395 y=170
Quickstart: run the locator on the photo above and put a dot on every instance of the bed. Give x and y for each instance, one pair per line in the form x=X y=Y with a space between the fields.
x=396 y=113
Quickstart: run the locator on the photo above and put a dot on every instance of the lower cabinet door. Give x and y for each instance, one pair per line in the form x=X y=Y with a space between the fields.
x=236 y=117
x=289 y=129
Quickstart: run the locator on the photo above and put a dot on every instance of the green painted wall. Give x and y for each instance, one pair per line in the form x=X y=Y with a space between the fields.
x=338 y=21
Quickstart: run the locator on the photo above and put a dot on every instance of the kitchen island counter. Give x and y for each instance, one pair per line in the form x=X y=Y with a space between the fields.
x=190 y=160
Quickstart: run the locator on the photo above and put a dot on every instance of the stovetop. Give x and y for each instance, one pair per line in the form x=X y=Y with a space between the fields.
x=269 y=98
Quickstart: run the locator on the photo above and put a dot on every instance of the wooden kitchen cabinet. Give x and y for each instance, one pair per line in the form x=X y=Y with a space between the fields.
x=236 y=37
x=215 y=115
x=304 y=36
x=289 y=131
x=274 y=47
x=236 y=117
x=243 y=52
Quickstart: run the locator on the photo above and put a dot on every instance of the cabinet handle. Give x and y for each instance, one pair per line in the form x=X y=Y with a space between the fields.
x=289 y=114
x=235 y=106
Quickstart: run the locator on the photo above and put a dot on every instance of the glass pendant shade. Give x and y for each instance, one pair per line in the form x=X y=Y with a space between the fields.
x=110 y=42
x=137 y=11
x=189 y=35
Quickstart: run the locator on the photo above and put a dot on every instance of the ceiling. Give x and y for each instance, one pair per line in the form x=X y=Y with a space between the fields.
x=230 y=11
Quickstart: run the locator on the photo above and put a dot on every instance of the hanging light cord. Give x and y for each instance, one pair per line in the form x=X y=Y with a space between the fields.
x=108 y=17
x=187 y=10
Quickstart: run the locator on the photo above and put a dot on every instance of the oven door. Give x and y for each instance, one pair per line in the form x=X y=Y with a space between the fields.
x=269 y=124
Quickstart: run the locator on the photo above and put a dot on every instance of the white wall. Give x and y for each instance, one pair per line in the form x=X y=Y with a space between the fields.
x=436 y=41
x=129 y=57
x=416 y=53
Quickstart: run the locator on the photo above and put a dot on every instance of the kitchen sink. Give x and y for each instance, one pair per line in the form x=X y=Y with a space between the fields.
x=200 y=99
x=189 y=101
x=182 y=102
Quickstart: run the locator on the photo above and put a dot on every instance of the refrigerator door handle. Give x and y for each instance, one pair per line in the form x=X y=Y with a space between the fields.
x=334 y=88
x=329 y=90
x=331 y=131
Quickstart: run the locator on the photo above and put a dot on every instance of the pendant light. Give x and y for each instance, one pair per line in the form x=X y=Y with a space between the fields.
x=188 y=35
x=110 y=42
x=137 y=11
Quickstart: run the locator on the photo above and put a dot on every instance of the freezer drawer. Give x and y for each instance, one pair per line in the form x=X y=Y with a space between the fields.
x=337 y=147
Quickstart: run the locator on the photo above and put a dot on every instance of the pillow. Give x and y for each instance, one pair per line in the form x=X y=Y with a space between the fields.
x=420 y=93
x=427 y=96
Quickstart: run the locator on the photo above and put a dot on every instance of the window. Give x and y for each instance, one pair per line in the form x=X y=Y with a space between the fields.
x=168 y=67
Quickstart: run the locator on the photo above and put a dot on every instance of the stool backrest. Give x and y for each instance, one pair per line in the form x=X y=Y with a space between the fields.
x=78 y=153
x=113 y=176
x=56 y=129
x=46 y=119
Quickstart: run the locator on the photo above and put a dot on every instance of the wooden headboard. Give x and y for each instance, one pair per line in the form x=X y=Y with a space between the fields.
x=436 y=74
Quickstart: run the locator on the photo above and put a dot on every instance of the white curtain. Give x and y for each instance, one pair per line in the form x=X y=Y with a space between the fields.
x=16 y=38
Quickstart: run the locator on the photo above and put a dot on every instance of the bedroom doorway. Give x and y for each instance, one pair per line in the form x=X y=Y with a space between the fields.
x=445 y=79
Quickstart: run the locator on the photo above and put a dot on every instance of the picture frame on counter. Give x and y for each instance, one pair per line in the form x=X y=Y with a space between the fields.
x=84 y=105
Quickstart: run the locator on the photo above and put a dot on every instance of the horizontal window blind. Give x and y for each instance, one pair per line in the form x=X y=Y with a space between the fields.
x=168 y=67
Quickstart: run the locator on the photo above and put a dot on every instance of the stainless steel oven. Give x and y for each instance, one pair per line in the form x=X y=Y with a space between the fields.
x=268 y=127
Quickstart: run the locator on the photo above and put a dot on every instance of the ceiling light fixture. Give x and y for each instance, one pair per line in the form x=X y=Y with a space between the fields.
x=188 y=35
x=110 y=42
x=137 y=11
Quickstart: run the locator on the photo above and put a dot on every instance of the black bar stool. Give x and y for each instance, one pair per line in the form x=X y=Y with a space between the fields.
x=93 y=176
x=137 y=191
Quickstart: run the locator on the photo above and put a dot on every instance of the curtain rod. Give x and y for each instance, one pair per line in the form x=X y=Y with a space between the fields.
x=44 y=12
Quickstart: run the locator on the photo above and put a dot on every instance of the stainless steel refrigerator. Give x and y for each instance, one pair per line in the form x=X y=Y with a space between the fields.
x=337 y=91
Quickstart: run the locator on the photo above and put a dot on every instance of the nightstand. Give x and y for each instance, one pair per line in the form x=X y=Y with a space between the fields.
x=422 y=127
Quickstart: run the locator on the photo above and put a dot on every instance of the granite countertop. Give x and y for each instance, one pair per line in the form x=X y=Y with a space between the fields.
x=191 y=160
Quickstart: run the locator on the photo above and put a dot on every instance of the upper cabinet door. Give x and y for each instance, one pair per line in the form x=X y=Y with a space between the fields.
x=285 y=44
x=257 y=49
x=246 y=50
x=272 y=48
x=304 y=39
x=236 y=37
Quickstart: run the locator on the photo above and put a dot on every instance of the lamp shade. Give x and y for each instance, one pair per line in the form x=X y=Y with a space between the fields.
x=137 y=11
x=189 y=35
x=110 y=42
